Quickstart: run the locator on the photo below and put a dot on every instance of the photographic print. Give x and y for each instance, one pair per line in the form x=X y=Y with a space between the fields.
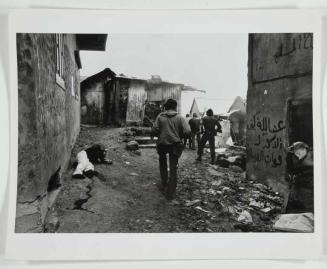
x=165 y=133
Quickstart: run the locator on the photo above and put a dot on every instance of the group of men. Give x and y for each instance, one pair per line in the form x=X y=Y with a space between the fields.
x=173 y=131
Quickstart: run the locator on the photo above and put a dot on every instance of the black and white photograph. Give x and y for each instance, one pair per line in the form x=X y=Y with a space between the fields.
x=165 y=133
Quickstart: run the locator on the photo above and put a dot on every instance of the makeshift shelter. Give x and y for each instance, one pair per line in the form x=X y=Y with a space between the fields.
x=113 y=99
x=93 y=97
x=201 y=104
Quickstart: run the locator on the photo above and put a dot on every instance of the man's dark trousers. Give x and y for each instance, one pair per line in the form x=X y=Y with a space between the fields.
x=211 y=138
x=192 y=138
x=174 y=152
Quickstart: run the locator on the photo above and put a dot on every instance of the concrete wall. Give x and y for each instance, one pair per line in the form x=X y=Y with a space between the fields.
x=279 y=70
x=48 y=115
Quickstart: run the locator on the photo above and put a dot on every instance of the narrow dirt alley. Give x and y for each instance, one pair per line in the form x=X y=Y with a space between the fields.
x=124 y=196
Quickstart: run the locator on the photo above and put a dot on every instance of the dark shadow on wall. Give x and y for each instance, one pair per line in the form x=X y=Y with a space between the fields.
x=300 y=128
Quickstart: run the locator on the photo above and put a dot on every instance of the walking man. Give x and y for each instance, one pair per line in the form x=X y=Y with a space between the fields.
x=195 y=130
x=171 y=128
x=211 y=126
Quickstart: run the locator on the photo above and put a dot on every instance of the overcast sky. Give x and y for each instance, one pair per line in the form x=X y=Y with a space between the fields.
x=216 y=63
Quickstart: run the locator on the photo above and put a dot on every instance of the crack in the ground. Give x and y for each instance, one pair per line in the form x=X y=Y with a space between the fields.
x=80 y=202
x=39 y=197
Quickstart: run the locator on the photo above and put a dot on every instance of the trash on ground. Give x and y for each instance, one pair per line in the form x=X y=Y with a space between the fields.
x=132 y=145
x=134 y=174
x=190 y=203
x=245 y=217
x=302 y=222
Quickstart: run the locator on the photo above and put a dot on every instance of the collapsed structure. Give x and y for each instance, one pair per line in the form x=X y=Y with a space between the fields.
x=279 y=107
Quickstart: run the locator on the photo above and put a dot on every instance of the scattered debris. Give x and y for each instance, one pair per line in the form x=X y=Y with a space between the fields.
x=213 y=172
x=190 y=203
x=303 y=222
x=107 y=161
x=143 y=140
x=134 y=174
x=216 y=183
x=201 y=209
x=132 y=145
x=225 y=193
x=266 y=210
x=256 y=204
x=245 y=217
x=148 y=146
x=235 y=168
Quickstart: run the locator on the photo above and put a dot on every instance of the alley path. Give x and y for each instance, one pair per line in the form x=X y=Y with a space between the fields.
x=124 y=196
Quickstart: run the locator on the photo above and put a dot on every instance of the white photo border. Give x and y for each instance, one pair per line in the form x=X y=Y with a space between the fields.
x=161 y=246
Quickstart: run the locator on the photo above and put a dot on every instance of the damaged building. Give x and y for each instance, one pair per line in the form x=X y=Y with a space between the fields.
x=118 y=100
x=279 y=110
x=93 y=98
x=48 y=115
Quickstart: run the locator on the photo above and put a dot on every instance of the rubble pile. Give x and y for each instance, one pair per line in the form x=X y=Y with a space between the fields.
x=130 y=132
x=303 y=223
x=212 y=193
x=132 y=145
x=138 y=135
x=232 y=156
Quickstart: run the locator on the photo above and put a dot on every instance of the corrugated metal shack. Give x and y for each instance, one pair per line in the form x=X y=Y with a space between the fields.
x=93 y=97
x=126 y=99
x=120 y=100
x=158 y=92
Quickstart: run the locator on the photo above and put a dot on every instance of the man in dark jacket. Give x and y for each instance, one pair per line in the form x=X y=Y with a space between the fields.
x=195 y=130
x=209 y=123
x=171 y=128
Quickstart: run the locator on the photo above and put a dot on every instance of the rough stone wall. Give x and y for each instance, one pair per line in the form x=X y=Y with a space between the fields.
x=279 y=70
x=48 y=115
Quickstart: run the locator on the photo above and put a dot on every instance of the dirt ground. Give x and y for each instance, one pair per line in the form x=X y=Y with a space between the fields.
x=124 y=196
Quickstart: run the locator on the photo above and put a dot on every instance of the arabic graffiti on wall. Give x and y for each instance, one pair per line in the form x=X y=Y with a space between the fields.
x=268 y=139
x=298 y=43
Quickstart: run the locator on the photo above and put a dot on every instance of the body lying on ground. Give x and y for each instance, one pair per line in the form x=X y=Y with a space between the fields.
x=85 y=159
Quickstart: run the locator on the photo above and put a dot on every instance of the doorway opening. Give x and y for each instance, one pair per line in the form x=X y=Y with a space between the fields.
x=300 y=171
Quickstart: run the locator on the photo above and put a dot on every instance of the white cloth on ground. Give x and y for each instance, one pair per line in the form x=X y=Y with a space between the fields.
x=83 y=163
